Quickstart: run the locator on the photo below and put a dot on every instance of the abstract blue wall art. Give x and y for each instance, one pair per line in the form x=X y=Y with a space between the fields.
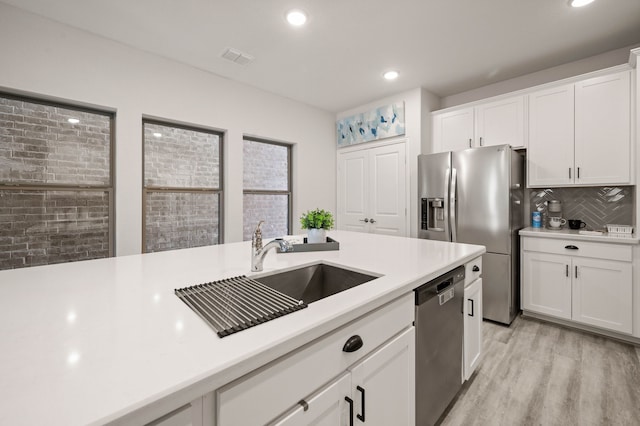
x=379 y=123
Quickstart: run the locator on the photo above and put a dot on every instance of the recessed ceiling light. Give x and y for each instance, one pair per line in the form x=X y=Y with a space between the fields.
x=580 y=3
x=391 y=75
x=157 y=135
x=73 y=120
x=296 y=17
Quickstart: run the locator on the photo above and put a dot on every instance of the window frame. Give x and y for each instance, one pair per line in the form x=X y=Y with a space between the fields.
x=288 y=192
x=172 y=190
x=109 y=188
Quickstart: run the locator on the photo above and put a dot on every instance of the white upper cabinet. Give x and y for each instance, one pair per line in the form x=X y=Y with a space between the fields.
x=501 y=122
x=579 y=134
x=602 y=132
x=550 y=153
x=492 y=123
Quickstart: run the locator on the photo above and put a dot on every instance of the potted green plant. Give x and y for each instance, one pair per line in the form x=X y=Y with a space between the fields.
x=316 y=222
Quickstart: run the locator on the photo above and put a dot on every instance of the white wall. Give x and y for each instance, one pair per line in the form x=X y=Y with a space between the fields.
x=571 y=69
x=418 y=103
x=42 y=57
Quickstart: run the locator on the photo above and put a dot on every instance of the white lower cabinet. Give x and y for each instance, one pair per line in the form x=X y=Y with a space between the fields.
x=366 y=368
x=588 y=283
x=378 y=391
x=472 y=312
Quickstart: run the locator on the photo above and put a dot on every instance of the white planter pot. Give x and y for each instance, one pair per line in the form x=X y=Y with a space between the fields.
x=316 y=236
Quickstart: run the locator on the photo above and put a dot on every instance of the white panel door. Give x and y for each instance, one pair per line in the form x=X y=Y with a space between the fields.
x=550 y=156
x=387 y=198
x=602 y=294
x=603 y=130
x=453 y=131
x=326 y=407
x=353 y=190
x=501 y=122
x=472 y=312
x=546 y=286
x=383 y=384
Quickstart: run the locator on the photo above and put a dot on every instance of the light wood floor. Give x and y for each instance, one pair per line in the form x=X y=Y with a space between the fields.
x=536 y=373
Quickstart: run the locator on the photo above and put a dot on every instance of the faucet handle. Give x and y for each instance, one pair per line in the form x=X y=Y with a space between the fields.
x=257 y=236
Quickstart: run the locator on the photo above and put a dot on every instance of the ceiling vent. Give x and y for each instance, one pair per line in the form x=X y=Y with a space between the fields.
x=236 y=56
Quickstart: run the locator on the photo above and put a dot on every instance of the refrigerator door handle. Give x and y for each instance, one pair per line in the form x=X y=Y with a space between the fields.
x=447 y=209
x=452 y=204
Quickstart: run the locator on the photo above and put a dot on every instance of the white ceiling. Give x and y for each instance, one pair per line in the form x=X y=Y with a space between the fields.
x=336 y=61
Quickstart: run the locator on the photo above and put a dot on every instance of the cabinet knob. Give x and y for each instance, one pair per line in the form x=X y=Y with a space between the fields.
x=353 y=344
x=475 y=268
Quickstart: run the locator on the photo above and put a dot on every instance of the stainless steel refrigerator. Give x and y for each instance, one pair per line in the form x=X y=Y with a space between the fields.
x=475 y=196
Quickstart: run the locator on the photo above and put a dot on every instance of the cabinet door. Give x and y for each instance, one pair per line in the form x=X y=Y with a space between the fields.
x=453 y=131
x=472 y=327
x=546 y=286
x=602 y=294
x=501 y=122
x=387 y=211
x=383 y=384
x=353 y=190
x=551 y=137
x=602 y=141
x=327 y=407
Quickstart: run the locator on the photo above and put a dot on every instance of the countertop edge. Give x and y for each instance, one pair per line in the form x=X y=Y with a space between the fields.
x=570 y=234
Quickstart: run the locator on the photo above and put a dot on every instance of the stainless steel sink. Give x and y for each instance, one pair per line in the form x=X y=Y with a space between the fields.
x=314 y=282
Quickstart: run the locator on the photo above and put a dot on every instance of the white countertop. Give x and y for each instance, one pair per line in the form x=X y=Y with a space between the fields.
x=574 y=234
x=90 y=342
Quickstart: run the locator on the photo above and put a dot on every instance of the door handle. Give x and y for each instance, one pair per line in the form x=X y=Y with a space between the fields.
x=372 y=221
x=480 y=140
x=365 y=220
x=471 y=314
x=350 y=402
x=361 y=417
x=469 y=142
x=578 y=173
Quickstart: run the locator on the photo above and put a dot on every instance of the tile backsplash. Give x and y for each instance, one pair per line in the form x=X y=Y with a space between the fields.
x=597 y=206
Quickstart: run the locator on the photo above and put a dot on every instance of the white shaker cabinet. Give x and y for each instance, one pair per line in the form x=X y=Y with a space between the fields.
x=372 y=185
x=497 y=122
x=366 y=368
x=472 y=312
x=453 y=130
x=579 y=134
x=584 y=282
x=603 y=130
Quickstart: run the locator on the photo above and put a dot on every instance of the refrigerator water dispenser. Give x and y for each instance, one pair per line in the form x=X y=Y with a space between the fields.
x=433 y=216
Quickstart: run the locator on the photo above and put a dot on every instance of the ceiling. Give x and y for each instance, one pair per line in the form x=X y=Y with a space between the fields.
x=336 y=61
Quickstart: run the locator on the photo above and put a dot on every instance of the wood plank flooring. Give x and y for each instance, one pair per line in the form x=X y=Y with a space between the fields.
x=537 y=373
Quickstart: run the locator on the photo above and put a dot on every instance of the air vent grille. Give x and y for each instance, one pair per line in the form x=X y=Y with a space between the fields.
x=236 y=56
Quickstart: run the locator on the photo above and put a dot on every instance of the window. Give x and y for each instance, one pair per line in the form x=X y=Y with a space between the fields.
x=267 y=188
x=56 y=190
x=182 y=187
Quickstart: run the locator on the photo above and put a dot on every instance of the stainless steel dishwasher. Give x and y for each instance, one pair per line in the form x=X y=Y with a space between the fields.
x=439 y=335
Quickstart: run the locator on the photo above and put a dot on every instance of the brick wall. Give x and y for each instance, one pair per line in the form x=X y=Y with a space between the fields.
x=181 y=220
x=43 y=227
x=40 y=147
x=273 y=209
x=265 y=168
x=180 y=158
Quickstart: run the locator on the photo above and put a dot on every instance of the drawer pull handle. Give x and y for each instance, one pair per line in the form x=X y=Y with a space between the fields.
x=304 y=404
x=471 y=314
x=475 y=268
x=353 y=344
x=350 y=402
x=571 y=247
x=361 y=417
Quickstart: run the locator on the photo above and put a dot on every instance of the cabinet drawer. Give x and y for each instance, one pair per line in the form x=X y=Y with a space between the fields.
x=470 y=275
x=583 y=248
x=267 y=392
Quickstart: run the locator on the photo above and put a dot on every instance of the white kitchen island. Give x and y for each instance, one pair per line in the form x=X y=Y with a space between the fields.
x=107 y=340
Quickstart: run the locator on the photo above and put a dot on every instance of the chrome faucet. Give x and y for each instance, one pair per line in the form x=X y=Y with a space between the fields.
x=258 y=252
